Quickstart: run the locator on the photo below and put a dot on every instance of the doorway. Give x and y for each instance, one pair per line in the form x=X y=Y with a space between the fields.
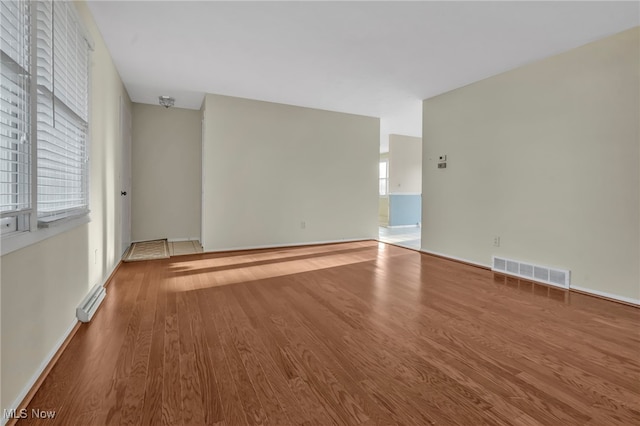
x=400 y=187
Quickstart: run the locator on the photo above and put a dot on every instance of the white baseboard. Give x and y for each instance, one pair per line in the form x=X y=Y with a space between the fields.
x=34 y=378
x=142 y=241
x=460 y=259
x=170 y=240
x=178 y=240
x=309 y=243
x=605 y=294
x=629 y=300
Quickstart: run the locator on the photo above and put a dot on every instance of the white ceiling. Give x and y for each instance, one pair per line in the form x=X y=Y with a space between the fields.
x=372 y=58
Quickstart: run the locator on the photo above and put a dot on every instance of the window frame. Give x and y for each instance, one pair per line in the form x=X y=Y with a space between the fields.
x=385 y=179
x=39 y=229
x=20 y=217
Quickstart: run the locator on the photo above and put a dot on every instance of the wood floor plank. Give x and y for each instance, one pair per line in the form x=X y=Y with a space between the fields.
x=272 y=358
x=254 y=412
x=338 y=392
x=289 y=364
x=154 y=386
x=192 y=410
x=232 y=408
x=247 y=347
x=277 y=380
x=433 y=408
x=132 y=410
x=209 y=393
x=357 y=333
x=125 y=357
x=171 y=385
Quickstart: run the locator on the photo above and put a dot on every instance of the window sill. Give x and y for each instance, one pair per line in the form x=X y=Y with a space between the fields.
x=11 y=243
x=59 y=220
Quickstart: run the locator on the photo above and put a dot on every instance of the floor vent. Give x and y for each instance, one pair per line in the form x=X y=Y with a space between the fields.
x=90 y=304
x=545 y=274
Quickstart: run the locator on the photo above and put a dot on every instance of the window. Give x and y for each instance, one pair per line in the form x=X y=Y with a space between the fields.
x=44 y=121
x=384 y=177
x=15 y=117
x=62 y=89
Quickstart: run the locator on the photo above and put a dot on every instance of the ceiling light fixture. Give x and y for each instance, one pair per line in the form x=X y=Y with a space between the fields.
x=166 y=101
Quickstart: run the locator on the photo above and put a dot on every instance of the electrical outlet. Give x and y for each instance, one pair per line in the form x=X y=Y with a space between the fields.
x=496 y=241
x=442 y=165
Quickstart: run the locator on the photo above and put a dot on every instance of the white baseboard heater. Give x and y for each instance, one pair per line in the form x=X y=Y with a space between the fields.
x=552 y=276
x=90 y=304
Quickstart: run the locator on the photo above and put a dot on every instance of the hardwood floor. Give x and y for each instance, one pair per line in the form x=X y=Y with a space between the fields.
x=354 y=333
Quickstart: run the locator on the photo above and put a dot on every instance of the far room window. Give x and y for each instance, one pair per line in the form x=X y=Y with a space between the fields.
x=384 y=177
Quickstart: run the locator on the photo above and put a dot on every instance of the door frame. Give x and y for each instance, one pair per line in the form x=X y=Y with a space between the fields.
x=124 y=192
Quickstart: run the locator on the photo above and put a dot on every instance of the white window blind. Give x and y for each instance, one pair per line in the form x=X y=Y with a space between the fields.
x=15 y=141
x=62 y=87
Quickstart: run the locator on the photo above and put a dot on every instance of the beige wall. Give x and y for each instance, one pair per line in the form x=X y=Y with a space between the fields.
x=546 y=157
x=268 y=167
x=43 y=283
x=405 y=164
x=166 y=179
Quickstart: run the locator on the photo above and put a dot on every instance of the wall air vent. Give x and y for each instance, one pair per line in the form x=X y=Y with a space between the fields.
x=545 y=274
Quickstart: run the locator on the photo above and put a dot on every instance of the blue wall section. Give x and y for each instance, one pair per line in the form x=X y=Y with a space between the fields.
x=404 y=209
